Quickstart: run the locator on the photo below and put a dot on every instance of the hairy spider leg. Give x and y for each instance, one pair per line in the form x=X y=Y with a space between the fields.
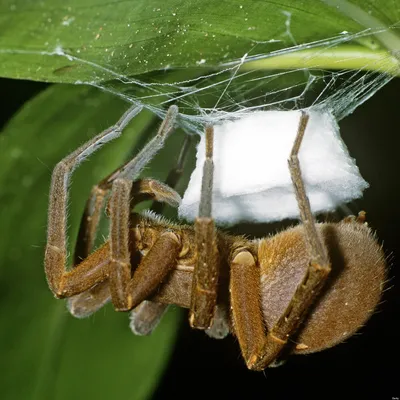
x=86 y=303
x=147 y=315
x=62 y=282
x=259 y=348
x=206 y=270
x=95 y=204
x=127 y=291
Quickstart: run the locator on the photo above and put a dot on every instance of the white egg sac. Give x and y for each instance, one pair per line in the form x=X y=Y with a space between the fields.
x=251 y=175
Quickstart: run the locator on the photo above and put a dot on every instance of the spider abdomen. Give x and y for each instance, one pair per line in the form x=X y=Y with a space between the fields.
x=349 y=297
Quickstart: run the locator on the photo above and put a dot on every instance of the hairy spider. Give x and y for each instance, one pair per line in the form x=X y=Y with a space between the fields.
x=304 y=289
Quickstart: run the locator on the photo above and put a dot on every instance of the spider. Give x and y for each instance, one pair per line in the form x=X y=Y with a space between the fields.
x=303 y=290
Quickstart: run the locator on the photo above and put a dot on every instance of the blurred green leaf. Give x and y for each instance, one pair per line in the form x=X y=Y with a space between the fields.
x=94 y=41
x=46 y=353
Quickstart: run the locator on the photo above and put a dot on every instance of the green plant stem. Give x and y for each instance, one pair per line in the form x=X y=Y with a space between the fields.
x=352 y=57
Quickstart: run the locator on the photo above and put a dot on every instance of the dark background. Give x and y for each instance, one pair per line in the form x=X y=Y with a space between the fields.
x=366 y=366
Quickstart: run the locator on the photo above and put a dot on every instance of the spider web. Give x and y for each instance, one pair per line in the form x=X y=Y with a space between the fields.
x=239 y=86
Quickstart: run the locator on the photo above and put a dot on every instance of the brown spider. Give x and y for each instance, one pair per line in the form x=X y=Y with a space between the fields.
x=313 y=284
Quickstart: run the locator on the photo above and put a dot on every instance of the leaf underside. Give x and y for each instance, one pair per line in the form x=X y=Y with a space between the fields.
x=95 y=41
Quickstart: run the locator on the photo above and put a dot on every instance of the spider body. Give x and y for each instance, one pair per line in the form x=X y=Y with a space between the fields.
x=349 y=297
x=304 y=289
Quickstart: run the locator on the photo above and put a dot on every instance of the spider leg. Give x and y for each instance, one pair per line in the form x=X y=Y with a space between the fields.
x=65 y=283
x=220 y=327
x=128 y=292
x=99 y=193
x=86 y=303
x=90 y=222
x=316 y=247
x=124 y=290
x=260 y=349
x=245 y=304
x=147 y=315
x=62 y=282
x=206 y=270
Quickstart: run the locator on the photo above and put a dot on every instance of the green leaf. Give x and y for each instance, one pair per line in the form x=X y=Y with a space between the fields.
x=94 y=41
x=45 y=352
